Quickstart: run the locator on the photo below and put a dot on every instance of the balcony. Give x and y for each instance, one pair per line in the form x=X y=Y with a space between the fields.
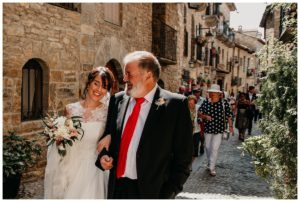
x=225 y=34
x=211 y=17
x=198 y=6
x=164 y=42
x=231 y=39
x=220 y=68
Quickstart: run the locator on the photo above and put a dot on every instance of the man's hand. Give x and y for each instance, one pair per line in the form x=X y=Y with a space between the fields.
x=106 y=162
x=104 y=143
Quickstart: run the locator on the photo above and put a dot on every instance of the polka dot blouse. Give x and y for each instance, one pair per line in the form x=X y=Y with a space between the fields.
x=215 y=110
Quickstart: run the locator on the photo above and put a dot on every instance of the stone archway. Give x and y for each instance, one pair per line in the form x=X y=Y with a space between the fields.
x=116 y=69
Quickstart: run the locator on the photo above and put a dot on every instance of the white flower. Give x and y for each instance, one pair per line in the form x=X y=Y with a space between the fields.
x=160 y=102
x=62 y=132
x=69 y=123
x=60 y=121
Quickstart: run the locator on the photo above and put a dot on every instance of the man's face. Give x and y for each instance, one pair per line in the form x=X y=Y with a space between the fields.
x=252 y=91
x=135 y=79
x=197 y=93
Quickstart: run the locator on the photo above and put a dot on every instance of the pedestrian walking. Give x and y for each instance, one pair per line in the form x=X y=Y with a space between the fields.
x=197 y=91
x=232 y=102
x=215 y=113
x=192 y=100
x=242 y=119
x=251 y=96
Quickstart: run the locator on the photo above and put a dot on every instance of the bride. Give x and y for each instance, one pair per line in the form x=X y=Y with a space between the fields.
x=75 y=175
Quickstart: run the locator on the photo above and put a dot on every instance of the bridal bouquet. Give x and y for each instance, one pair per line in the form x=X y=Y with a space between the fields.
x=63 y=131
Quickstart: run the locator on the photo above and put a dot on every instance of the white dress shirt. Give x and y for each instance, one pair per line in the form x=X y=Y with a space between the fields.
x=250 y=96
x=130 y=169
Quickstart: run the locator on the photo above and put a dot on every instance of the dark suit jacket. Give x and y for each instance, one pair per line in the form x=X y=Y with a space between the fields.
x=164 y=153
x=252 y=107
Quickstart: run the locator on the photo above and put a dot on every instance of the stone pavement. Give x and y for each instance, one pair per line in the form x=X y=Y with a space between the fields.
x=235 y=178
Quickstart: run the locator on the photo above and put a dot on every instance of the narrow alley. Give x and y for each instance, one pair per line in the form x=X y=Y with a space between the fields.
x=236 y=178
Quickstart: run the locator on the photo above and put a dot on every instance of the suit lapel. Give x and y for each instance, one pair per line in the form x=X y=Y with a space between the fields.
x=122 y=107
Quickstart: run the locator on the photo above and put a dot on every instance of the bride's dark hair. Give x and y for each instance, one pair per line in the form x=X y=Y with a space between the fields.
x=107 y=79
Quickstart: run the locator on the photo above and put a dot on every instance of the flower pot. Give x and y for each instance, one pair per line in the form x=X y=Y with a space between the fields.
x=11 y=186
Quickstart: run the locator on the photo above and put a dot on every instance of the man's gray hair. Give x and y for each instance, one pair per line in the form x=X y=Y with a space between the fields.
x=146 y=61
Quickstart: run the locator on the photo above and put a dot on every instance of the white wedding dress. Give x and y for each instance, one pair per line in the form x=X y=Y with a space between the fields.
x=75 y=175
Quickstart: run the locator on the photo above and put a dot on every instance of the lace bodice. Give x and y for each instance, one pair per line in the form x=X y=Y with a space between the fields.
x=98 y=114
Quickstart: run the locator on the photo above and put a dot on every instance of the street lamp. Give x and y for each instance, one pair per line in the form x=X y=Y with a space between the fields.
x=208 y=35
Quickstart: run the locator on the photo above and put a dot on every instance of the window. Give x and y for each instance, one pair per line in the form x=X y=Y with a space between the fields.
x=184 y=14
x=227 y=61
x=186 y=41
x=222 y=56
x=112 y=13
x=244 y=63
x=68 y=6
x=248 y=63
x=199 y=52
x=32 y=91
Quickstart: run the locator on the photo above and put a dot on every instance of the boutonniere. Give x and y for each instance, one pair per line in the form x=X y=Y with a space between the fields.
x=160 y=102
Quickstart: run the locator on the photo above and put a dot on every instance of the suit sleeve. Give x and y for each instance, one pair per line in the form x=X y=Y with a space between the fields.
x=182 y=151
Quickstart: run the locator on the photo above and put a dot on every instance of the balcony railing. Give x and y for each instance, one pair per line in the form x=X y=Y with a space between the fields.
x=164 y=43
x=226 y=34
x=198 y=6
x=212 y=13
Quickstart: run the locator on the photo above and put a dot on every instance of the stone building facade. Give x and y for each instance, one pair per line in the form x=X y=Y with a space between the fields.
x=209 y=46
x=246 y=63
x=273 y=22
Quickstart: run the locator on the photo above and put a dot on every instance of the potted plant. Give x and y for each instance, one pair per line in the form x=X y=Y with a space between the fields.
x=18 y=154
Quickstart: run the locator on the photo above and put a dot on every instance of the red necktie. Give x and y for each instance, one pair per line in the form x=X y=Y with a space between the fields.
x=127 y=135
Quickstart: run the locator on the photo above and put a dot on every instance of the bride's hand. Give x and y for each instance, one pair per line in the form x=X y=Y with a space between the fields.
x=104 y=143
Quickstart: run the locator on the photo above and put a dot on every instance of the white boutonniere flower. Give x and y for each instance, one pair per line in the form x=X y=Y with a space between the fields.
x=160 y=102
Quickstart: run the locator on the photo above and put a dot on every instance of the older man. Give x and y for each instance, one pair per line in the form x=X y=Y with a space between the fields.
x=151 y=135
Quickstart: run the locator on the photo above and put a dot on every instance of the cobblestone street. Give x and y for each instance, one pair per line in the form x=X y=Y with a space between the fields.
x=235 y=178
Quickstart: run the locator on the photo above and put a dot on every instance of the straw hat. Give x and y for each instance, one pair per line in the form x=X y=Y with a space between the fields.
x=215 y=88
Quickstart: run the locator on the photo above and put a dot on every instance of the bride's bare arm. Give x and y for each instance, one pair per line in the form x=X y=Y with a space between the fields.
x=104 y=143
